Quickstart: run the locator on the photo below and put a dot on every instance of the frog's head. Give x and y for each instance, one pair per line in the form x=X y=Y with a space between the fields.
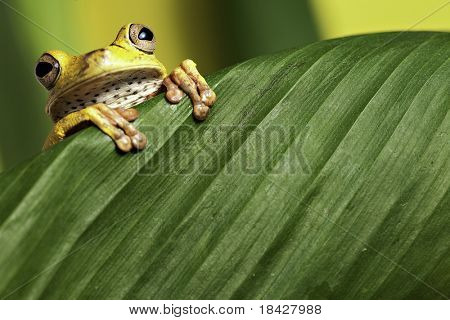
x=122 y=74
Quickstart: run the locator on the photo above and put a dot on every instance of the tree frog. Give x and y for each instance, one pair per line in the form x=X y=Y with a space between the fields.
x=103 y=86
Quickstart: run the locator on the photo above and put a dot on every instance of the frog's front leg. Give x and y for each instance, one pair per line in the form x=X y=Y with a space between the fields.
x=187 y=78
x=114 y=122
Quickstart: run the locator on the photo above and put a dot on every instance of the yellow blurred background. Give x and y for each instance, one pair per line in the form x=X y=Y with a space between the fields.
x=338 y=18
x=215 y=34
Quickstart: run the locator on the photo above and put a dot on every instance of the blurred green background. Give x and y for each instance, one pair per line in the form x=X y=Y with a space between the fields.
x=213 y=33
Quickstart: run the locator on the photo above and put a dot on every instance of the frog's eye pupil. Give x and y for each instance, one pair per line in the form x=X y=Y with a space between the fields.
x=43 y=68
x=145 y=34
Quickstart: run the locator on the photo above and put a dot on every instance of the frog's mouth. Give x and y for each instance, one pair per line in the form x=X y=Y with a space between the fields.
x=121 y=89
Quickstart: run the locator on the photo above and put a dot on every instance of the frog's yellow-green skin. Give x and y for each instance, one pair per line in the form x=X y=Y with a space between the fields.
x=102 y=85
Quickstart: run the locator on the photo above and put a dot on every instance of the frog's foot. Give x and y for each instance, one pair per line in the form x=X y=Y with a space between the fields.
x=114 y=122
x=186 y=78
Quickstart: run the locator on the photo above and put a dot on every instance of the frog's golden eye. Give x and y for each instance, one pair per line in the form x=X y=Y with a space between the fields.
x=47 y=70
x=142 y=38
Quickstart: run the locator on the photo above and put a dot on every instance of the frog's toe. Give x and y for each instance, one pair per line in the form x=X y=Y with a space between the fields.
x=124 y=143
x=207 y=95
x=200 y=111
x=129 y=114
x=173 y=93
x=139 y=140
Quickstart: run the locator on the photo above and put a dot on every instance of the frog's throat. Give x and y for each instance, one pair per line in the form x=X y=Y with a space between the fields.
x=121 y=89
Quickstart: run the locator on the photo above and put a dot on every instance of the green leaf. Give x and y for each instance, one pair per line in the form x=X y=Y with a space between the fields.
x=322 y=172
